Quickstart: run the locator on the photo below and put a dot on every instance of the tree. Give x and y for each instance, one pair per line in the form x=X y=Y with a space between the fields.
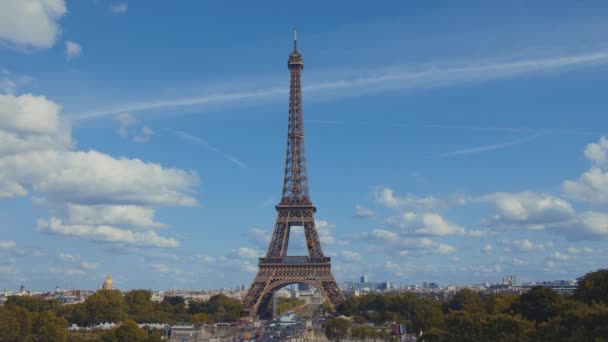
x=337 y=328
x=428 y=316
x=507 y=328
x=201 y=318
x=463 y=325
x=466 y=299
x=576 y=322
x=327 y=308
x=49 y=328
x=139 y=306
x=500 y=303
x=593 y=287
x=539 y=304
x=10 y=329
x=127 y=332
x=102 y=306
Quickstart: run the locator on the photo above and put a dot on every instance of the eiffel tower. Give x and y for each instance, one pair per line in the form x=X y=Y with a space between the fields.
x=277 y=269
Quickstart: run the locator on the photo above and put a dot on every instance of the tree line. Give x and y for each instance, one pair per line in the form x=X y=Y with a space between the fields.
x=540 y=314
x=29 y=318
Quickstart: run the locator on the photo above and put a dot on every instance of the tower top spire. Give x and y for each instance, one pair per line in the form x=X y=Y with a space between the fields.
x=295 y=39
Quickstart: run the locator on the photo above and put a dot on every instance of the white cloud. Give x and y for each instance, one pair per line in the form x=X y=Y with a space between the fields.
x=10 y=82
x=29 y=114
x=248 y=253
x=7 y=244
x=575 y=250
x=67 y=272
x=522 y=245
x=363 y=212
x=31 y=23
x=95 y=178
x=394 y=268
x=350 y=256
x=380 y=235
x=324 y=230
x=88 y=265
x=528 y=210
x=386 y=197
x=443 y=248
x=560 y=256
x=487 y=248
x=72 y=50
x=144 y=135
x=113 y=215
x=161 y=268
x=591 y=186
x=125 y=121
x=119 y=8
x=105 y=233
x=597 y=153
x=430 y=224
x=69 y=257
x=260 y=237
x=6 y=269
x=587 y=226
x=387 y=241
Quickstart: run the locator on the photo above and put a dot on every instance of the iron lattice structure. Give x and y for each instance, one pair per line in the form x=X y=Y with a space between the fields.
x=278 y=269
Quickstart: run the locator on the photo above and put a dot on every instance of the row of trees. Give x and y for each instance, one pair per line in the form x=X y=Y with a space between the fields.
x=540 y=314
x=25 y=318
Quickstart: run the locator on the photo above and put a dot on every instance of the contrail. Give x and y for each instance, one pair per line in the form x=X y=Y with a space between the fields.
x=431 y=77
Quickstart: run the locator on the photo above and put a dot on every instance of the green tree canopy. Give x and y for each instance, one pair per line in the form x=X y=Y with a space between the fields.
x=593 y=287
x=539 y=304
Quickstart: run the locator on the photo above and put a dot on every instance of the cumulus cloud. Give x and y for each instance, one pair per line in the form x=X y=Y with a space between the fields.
x=144 y=135
x=161 y=268
x=591 y=186
x=88 y=265
x=125 y=121
x=487 y=248
x=10 y=82
x=113 y=215
x=350 y=256
x=597 y=153
x=430 y=224
x=7 y=244
x=363 y=212
x=386 y=197
x=69 y=257
x=387 y=241
x=119 y=8
x=587 y=226
x=127 y=128
x=527 y=210
x=103 y=233
x=325 y=231
x=247 y=253
x=260 y=237
x=522 y=246
x=31 y=23
x=72 y=50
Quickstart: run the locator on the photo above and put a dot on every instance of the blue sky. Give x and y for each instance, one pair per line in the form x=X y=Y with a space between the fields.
x=448 y=143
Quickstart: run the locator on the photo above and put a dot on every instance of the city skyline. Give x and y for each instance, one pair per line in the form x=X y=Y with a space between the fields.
x=435 y=153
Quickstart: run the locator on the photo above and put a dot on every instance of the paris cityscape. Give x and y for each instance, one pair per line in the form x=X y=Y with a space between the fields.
x=288 y=172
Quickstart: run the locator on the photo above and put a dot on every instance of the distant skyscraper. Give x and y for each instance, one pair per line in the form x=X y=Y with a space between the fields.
x=107 y=284
x=363 y=279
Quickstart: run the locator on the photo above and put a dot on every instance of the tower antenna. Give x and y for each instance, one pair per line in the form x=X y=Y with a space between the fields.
x=295 y=38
